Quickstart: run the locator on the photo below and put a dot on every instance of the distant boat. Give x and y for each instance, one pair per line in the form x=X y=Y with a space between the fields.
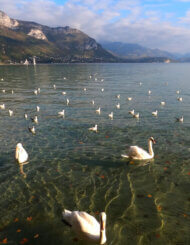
x=26 y=62
x=34 y=61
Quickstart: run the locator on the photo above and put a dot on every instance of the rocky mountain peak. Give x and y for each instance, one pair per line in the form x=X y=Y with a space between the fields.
x=6 y=21
x=38 y=34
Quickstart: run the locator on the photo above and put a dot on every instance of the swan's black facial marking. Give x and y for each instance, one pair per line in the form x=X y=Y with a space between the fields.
x=153 y=140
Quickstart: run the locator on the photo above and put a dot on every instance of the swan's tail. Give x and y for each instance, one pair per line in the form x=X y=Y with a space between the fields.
x=125 y=156
x=67 y=217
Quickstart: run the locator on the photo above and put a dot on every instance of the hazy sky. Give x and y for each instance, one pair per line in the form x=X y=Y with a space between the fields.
x=163 y=24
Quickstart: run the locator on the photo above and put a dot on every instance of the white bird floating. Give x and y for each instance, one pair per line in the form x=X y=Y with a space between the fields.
x=84 y=89
x=93 y=102
x=136 y=115
x=12 y=92
x=118 y=106
x=2 y=107
x=140 y=83
x=155 y=113
x=64 y=78
x=64 y=93
x=179 y=98
x=162 y=103
x=35 y=119
x=98 y=110
x=2 y=79
x=35 y=91
x=54 y=86
x=111 y=115
x=86 y=226
x=149 y=91
x=62 y=113
x=129 y=98
x=32 y=130
x=95 y=128
x=179 y=119
x=20 y=154
x=102 y=80
x=102 y=89
x=67 y=101
x=37 y=108
x=25 y=116
x=132 y=112
x=3 y=90
x=118 y=96
x=10 y=113
x=138 y=153
x=177 y=92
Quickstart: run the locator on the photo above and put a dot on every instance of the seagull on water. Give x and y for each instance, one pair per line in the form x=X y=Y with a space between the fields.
x=62 y=113
x=32 y=130
x=10 y=113
x=98 y=110
x=118 y=106
x=95 y=128
x=2 y=107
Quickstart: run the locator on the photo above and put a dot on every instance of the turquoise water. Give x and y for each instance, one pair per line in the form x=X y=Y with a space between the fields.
x=71 y=167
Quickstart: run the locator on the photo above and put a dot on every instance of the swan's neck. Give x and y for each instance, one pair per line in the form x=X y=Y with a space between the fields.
x=150 y=148
x=102 y=231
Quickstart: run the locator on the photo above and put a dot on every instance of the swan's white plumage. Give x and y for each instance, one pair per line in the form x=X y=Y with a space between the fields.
x=84 y=225
x=138 y=153
x=20 y=154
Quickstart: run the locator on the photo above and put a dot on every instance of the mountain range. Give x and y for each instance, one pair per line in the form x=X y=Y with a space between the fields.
x=20 y=40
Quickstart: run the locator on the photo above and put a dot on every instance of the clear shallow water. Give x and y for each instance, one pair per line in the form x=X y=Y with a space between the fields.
x=71 y=167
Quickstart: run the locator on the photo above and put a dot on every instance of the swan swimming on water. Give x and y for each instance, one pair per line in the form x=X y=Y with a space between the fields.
x=138 y=153
x=86 y=226
x=20 y=154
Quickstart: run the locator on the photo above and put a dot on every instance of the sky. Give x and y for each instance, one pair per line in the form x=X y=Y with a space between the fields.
x=163 y=24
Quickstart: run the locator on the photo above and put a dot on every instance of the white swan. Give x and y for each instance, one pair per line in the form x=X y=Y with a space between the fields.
x=64 y=93
x=86 y=226
x=162 y=103
x=129 y=98
x=102 y=89
x=138 y=153
x=118 y=106
x=20 y=154
x=37 y=108
x=95 y=128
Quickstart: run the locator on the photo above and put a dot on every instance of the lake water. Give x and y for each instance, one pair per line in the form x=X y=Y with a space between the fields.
x=71 y=167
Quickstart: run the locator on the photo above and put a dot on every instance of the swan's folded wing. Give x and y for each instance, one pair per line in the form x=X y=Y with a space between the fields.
x=85 y=225
x=137 y=152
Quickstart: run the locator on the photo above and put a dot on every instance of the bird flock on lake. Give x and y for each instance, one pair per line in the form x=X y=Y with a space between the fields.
x=84 y=225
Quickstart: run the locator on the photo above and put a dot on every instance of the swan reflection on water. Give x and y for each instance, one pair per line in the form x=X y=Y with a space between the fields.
x=22 y=169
